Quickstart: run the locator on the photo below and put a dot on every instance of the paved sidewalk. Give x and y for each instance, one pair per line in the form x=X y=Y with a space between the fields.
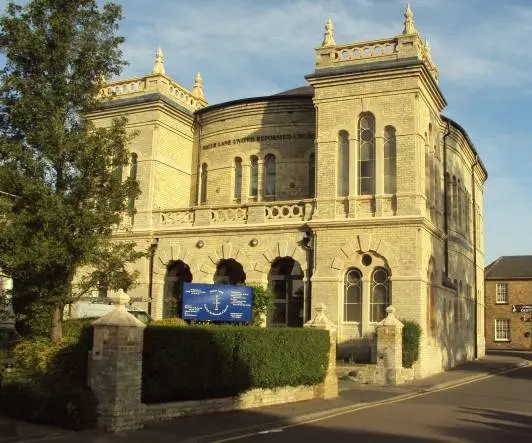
x=215 y=426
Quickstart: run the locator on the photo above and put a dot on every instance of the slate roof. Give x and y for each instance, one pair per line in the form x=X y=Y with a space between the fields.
x=509 y=267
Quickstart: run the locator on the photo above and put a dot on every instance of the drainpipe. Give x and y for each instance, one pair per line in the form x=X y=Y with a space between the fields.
x=153 y=248
x=473 y=195
x=446 y=281
x=198 y=166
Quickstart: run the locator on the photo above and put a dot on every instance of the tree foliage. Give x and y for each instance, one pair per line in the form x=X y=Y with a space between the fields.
x=65 y=172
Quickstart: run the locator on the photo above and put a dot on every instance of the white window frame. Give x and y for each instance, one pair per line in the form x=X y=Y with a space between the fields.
x=502 y=330
x=501 y=293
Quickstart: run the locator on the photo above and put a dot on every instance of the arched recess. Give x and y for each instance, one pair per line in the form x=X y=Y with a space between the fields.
x=364 y=243
x=285 y=280
x=225 y=251
x=229 y=272
x=281 y=249
x=177 y=273
x=431 y=297
x=168 y=252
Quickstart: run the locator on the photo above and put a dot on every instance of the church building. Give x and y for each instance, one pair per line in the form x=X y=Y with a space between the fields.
x=353 y=191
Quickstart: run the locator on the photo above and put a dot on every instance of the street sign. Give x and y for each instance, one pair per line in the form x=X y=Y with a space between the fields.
x=521 y=309
x=207 y=302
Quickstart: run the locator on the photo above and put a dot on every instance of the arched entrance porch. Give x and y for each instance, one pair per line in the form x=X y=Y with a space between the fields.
x=177 y=273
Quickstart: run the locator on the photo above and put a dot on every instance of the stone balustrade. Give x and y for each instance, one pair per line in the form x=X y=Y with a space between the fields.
x=176 y=217
x=153 y=83
x=372 y=49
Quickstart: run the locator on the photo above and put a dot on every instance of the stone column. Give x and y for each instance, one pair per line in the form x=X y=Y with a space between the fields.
x=115 y=368
x=329 y=387
x=389 y=349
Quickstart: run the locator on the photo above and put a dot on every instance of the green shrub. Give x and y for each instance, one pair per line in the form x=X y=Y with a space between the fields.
x=171 y=321
x=262 y=301
x=411 y=341
x=221 y=361
x=52 y=378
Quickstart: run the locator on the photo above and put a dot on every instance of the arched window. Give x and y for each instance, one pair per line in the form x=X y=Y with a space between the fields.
x=343 y=164
x=229 y=272
x=253 y=176
x=238 y=179
x=269 y=176
x=455 y=201
x=366 y=154
x=132 y=176
x=285 y=281
x=460 y=204
x=353 y=296
x=204 y=178
x=390 y=159
x=380 y=294
x=312 y=175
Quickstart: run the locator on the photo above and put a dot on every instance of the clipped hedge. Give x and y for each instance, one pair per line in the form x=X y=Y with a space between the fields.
x=49 y=380
x=411 y=342
x=222 y=361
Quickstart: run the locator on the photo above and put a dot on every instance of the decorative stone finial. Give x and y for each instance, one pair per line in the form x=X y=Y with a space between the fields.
x=328 y=36
x=321 y=321
x=391 y=319
x=120 y=298
x=158 y=67
x=409 y=21
x=197 y=90
x=427 y=47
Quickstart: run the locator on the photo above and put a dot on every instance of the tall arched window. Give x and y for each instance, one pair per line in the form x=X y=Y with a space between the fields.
x=366 y=154
x=132 y=176
x=455 y=201
x=390 y=161
x=253 y=176
x=204 y=178
x=238 y=179
x=269 y=175
x=353 y=296
x=312 y=175
x=343 y=164
x=380 y=294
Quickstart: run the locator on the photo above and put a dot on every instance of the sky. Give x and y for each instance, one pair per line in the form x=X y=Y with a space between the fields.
x=246 y=48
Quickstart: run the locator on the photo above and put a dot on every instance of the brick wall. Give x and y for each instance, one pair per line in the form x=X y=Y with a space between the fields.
x=519 y=293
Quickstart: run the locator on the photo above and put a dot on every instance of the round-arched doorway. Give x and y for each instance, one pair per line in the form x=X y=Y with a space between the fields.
x=177 y=273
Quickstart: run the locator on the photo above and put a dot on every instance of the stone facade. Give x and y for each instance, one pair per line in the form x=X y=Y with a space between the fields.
x=318 y=190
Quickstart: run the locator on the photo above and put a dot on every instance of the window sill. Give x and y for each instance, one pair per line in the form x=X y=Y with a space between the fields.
x=502 y=303
x=502 y=340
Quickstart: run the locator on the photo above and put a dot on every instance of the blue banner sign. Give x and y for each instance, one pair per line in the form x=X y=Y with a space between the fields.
x=204 y=302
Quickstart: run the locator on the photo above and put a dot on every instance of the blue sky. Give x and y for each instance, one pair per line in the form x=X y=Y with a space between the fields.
x=250 y=48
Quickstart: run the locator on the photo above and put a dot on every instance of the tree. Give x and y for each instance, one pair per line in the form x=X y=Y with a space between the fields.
x=65 y=171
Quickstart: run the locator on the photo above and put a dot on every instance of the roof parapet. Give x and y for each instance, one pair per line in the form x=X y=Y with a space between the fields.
x=409 y=44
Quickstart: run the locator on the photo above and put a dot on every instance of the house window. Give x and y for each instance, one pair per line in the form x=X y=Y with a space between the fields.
x=204 y=174
x=390 y=182
x=312 y=175
x=366 y=155
x=502 y=330
x=269 y=178
x=343 y=164
x=353 y=296
x=253 y=176
x=501 y=293
x=238 y=179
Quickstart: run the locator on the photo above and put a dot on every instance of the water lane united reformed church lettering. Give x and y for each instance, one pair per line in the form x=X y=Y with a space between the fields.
x=260 y=138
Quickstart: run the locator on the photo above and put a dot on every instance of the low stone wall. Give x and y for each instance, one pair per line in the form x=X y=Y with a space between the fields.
x=253 y=398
